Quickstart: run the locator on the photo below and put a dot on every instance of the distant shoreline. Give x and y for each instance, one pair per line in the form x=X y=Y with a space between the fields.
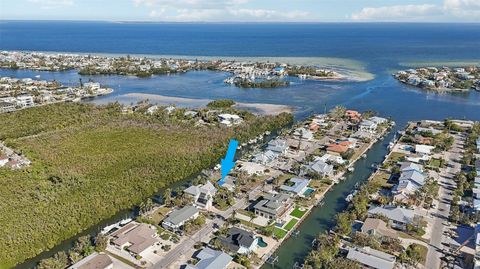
x=349 y=70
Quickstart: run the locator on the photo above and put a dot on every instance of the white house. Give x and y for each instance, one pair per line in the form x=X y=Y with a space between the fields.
x=229 y=119
x=368 y=126
x=296 y=186
x=202 y=195
x=25 y=101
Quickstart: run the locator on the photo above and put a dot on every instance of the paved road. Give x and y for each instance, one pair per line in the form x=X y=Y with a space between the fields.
x=440 y=215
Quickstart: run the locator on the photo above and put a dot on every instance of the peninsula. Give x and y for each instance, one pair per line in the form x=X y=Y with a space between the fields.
x=442 y=79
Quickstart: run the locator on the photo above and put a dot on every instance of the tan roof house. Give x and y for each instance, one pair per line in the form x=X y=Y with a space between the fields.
x=378 y=227
x=135 y=237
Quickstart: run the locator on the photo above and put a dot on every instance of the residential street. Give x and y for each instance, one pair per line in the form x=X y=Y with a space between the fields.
x=203 y=235
x=439 y=216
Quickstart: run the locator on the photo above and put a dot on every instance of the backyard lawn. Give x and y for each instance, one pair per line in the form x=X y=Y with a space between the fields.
x=297 y=213
x=290 y=224
x=279 y=233
x=381 y=179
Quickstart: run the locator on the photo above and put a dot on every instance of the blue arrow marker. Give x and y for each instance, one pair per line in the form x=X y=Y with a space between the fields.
x=227 y=163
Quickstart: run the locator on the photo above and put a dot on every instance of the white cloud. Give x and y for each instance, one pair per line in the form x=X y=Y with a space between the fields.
x=50 y=4
x=450 y=10
x=214 y=10
x=396 y=13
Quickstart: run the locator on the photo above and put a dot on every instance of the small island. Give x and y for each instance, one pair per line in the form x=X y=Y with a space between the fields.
x=443 y=79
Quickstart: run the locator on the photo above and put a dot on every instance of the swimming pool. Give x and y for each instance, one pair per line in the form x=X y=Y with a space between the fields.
x=261 y=243
x=308 y=192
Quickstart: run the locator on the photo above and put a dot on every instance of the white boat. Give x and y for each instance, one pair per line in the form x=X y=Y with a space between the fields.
x=37 y=76
x=109 y=228
x=349 y=197
x=350 y=169
x=125 y=221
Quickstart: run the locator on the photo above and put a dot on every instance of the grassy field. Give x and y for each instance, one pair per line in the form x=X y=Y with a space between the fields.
x=90 y=162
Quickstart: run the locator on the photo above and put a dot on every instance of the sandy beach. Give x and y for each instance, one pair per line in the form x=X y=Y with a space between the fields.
x=256 y=108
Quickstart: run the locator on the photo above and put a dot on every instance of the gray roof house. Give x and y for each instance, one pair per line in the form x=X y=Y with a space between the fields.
x=273 y=206
x=211 y=259
x=378 y=120
x=414 y=176
x=321 y=167
x=239 y=241
x=278 y=146
x=399 y=217
x=202 y=194
x=371 y=258
x=265 y=157
x=409 y=166
x=298 y=186
x=177 y=218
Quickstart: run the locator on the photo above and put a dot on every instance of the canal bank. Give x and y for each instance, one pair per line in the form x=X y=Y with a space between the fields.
x=322 y=218
x=133 y=212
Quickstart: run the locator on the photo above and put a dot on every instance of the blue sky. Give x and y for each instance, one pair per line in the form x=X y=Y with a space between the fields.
x=244 y=10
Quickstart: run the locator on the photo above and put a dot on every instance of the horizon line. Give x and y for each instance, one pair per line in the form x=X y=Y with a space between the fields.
x=238 y=22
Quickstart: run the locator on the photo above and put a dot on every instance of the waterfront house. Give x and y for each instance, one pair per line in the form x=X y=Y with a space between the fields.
x=202 y=195
x=278 y=146
x=136 y=238
x=371 y=258
x=265 y=157
x=398 y=217
x=320 y=167
x=239 y=241
x=478 y=144
x=177 y=218
x=296 y=186
x=251 y=168
x=378 y=228
x=378 y=120
x=273 y=206
x=209 y=258
x=94 y=261
x=368 y=126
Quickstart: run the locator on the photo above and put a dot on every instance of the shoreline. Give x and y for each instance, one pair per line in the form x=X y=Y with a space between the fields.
x=255 y=108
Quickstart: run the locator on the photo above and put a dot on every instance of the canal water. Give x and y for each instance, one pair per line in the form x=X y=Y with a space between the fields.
x=322 y=218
